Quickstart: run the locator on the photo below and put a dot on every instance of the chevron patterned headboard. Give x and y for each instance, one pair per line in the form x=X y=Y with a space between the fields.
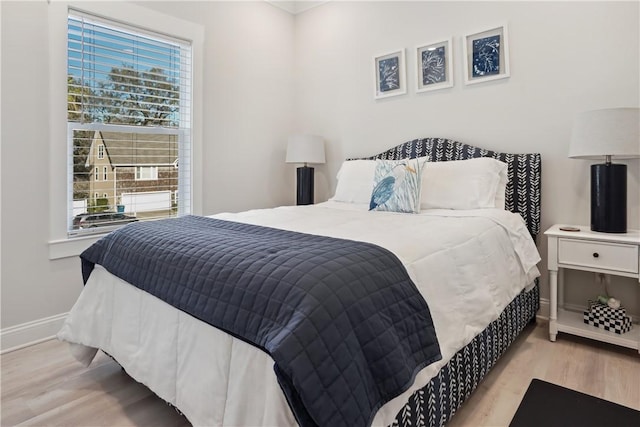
x=523 y=186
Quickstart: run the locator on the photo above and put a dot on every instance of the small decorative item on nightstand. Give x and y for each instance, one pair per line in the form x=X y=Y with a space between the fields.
x=305 y=149
x=607 y=318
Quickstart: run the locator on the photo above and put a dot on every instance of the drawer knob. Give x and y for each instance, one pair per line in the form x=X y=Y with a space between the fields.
x=596 y=254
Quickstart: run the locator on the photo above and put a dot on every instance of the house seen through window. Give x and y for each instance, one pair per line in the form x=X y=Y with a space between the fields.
x=128 y=116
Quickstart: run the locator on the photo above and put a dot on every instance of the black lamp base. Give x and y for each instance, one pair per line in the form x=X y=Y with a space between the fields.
x=304 y=191
x=609 y=198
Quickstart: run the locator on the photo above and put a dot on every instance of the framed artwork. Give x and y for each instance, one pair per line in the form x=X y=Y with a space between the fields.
x=486 y=55
x=390 y=74
x=435 y=66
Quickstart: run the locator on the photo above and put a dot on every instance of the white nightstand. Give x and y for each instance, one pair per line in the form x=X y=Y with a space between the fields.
x=610 y=253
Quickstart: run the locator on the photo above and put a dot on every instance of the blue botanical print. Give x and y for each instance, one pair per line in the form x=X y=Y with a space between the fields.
x=389 y=74
x=433 y=66
x=486 y=56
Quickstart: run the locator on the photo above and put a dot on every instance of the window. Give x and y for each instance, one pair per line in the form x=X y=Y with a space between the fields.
x=146 y=173
x=105 y=195
x=129 y=94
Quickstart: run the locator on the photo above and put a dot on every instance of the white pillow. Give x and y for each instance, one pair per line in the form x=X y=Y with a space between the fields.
x=355 y=181
x=463 y=184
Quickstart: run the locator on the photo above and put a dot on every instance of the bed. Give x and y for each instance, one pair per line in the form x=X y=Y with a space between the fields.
x=215 y=378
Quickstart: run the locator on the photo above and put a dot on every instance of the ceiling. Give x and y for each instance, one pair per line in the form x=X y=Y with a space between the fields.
x=296 y=6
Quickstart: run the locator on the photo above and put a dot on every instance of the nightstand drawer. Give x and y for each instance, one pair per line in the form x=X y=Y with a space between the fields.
x=608 y=256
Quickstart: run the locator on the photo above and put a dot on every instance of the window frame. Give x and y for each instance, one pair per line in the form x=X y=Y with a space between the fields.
x=61 y=245
x=153 y=173
x=100 y=151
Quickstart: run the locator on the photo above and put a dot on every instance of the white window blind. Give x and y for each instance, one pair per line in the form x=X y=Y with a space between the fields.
x=128 y=116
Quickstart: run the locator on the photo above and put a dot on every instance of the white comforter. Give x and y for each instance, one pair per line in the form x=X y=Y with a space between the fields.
x=468 y=265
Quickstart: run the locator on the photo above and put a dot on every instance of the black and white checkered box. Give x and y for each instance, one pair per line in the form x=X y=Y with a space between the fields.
x=607 y=318
x=603 y=310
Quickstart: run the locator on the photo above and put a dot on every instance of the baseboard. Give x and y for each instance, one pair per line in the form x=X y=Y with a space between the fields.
x=543 y=313
x=30 y=333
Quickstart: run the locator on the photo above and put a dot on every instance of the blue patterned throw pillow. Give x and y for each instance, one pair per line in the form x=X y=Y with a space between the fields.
x=396 y=186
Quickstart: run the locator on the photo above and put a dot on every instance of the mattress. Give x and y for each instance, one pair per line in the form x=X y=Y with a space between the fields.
x=468 y=265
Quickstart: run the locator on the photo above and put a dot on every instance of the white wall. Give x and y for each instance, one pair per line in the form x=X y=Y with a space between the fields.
x=565 y=58
x=248 y=110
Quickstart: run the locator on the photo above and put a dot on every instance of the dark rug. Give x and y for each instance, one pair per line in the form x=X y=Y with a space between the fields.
x=549 y=405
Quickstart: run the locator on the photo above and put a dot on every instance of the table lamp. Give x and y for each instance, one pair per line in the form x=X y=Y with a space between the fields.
x=305 y=149
x=608 y=133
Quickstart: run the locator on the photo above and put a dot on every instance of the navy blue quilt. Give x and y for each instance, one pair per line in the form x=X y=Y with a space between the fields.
x=343 y=322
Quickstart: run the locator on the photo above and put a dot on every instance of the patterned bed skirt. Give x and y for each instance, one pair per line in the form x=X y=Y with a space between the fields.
x=434 y=404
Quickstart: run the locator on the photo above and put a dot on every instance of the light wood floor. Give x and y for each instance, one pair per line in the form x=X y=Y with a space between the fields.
x=43 y=385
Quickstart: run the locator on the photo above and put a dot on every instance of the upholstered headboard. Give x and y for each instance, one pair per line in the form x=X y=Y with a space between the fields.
x=523 y=186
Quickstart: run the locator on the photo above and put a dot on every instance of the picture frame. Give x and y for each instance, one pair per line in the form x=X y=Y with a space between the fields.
x=434 y=63
x=486 y=55
x=390 y=74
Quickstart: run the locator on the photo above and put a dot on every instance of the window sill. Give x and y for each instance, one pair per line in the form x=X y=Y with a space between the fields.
x=67 y=248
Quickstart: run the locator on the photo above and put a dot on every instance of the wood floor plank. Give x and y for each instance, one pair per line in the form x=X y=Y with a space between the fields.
x=603 y=370
x=44 y=385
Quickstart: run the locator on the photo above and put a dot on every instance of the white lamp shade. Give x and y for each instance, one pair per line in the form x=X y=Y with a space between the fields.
x=305 y=149
x=611 y=132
